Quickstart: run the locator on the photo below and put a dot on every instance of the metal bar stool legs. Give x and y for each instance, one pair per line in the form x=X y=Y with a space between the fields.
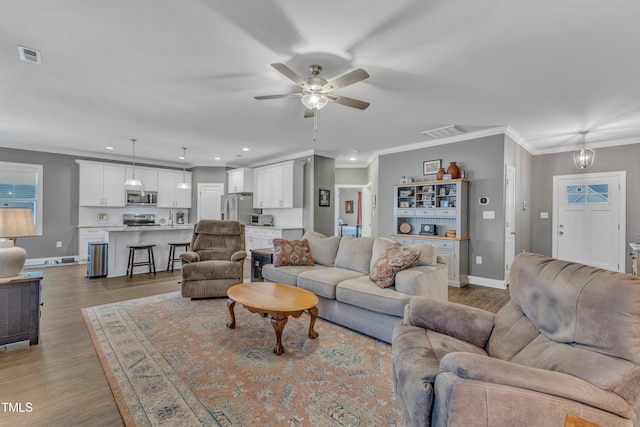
x=150 y=261
x=172 y=253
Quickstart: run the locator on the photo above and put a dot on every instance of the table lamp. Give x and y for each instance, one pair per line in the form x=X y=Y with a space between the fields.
x=14 y=223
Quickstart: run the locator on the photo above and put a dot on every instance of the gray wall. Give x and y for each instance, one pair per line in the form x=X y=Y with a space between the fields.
x=348 y=194
x=545 y=167
x=351 y=176
x=60 y=203
x=483 y=160
x=324 y=177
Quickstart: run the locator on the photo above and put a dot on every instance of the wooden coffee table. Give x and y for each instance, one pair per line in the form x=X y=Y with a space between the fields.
x=276 y=300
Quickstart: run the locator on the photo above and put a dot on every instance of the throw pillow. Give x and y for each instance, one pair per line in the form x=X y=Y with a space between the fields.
x=291 y=252
x=394 y=259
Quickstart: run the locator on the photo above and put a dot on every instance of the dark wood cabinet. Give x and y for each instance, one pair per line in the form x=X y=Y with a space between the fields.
x=260 y=257
x=20 y=302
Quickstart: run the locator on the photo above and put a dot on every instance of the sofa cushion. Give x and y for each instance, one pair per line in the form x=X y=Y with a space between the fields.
x=288 y=274
x=363 y=293
x=428 y=253
x=323 y=249
x=355 y=253
x=291 y=252
x=379 y=246
x=322 y=282
x=395 y=258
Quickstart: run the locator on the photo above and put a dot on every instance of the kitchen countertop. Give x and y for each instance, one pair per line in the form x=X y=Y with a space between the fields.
x=113 y=227
x=275 y=227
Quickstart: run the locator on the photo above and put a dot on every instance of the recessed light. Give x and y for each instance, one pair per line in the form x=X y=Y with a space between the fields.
x=217 y=158
x=109 y=148
x=181 y=157
x=353 y=159
x=245 y=149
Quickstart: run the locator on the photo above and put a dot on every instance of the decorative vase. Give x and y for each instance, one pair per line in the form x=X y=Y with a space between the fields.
x=441 y=173
x=454 y=170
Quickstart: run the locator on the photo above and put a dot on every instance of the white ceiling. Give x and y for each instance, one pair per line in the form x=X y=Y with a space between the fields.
x=184 y=73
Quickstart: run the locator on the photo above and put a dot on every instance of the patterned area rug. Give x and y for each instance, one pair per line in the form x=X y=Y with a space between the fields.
x=172 y=361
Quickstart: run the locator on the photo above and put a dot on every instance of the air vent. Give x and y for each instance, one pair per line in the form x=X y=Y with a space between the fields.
x=444 y=132
x=29 y=55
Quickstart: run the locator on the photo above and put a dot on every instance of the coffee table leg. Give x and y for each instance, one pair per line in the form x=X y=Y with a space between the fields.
x=278 y=326
x=230 y=305
x=313 y=311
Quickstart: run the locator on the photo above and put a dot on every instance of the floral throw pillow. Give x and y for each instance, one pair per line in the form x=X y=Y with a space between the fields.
x=291 y=252
x=395 y=258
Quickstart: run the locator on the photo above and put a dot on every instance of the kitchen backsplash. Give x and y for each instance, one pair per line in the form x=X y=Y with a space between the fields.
x=89 y=215
x=286 y=217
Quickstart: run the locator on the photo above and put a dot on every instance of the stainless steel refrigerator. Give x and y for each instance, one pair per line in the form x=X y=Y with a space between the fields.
x=237 y=207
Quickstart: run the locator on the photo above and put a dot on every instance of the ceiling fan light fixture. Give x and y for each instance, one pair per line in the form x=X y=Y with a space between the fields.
x=314 y=101
x=583 y=158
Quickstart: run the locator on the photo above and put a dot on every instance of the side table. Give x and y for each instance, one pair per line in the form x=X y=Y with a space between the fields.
x=260 y=257
x=20 y=303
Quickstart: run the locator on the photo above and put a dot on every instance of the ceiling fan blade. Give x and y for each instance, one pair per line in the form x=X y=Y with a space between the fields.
x=291 y=75
x=349 y=102
x=309 y=113
x=345 y=80
x=286 y=95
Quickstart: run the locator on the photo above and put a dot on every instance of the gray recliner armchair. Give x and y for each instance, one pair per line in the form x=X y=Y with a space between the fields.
x=215 y=261
x=568 y=342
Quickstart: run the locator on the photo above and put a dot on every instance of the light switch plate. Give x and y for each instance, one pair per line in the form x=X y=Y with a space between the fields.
x=488 y=215
x=544 y=215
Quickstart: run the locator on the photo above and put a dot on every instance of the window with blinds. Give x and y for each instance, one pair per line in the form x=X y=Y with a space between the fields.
x=21 y=187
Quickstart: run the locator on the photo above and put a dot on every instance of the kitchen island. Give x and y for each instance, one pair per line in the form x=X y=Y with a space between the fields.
x=119 y=237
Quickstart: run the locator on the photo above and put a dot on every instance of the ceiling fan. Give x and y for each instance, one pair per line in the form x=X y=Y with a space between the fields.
x=317 y=92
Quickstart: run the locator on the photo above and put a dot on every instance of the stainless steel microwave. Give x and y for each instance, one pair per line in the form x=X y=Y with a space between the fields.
x=142 y=198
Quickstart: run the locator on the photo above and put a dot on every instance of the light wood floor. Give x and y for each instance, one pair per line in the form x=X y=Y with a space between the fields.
x=62 y=377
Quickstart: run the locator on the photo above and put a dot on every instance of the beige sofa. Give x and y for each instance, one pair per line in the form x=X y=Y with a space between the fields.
x=340 y=279
x=568 y=342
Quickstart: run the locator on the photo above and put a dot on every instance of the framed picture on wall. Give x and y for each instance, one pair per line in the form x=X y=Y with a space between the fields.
x=348 y=206
x=431 y=167
x=323 y=199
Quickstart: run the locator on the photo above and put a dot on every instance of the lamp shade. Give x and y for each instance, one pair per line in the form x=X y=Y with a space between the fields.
x=14 y=223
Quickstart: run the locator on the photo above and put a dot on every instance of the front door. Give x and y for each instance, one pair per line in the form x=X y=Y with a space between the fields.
x=589 y=219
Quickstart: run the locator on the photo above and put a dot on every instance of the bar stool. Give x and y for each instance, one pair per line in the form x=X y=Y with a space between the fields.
x=172 y=253
x=150 y=261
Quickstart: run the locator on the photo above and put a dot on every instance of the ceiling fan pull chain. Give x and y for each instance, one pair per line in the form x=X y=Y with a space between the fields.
x=315 y=126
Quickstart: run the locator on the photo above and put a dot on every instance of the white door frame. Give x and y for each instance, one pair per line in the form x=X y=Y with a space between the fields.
x=510 y=223
x=366 y=205
x=622 y=211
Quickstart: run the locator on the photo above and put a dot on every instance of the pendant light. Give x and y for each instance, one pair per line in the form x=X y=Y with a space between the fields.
x=184 y=185
x=133 y=183
x=584 y=157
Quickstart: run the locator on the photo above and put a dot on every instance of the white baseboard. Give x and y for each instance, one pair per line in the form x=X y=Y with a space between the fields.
x=51 y=262
x=490 y=283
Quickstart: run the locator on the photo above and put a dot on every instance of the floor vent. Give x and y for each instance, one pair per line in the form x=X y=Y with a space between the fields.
x=443 y=132
x=29 y=55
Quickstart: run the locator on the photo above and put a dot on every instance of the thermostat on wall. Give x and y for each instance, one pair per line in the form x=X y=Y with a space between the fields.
x=483 y=200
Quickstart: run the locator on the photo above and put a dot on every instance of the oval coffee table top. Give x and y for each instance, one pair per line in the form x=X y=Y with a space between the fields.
x=272 y=296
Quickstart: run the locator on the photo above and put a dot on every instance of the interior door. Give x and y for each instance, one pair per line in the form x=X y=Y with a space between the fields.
x=588 y=219
x=510 y=221
x=209 y=201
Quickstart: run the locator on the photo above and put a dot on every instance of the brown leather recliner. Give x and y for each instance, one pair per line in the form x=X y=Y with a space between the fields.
x=215 y=262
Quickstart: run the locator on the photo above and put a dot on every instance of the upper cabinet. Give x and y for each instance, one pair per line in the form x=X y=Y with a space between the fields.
x=240 y=180
x=169 y=196
x=278 y=185
x=148 y=177
x=102 y=185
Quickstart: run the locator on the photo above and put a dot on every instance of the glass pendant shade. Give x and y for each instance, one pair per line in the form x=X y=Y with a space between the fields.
x=184 y=185
x=133 y=183
x=314 y=101
x=583 y=158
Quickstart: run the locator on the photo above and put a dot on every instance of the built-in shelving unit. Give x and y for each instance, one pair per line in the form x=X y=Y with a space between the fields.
x=435 y=212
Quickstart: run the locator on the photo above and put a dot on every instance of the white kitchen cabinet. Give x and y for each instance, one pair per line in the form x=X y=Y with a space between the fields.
x=278 y=185
x=148 y=177
x=262 y=237
x=240 y=180
x=86 y=236
x=169 y=195
x=101 y=185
